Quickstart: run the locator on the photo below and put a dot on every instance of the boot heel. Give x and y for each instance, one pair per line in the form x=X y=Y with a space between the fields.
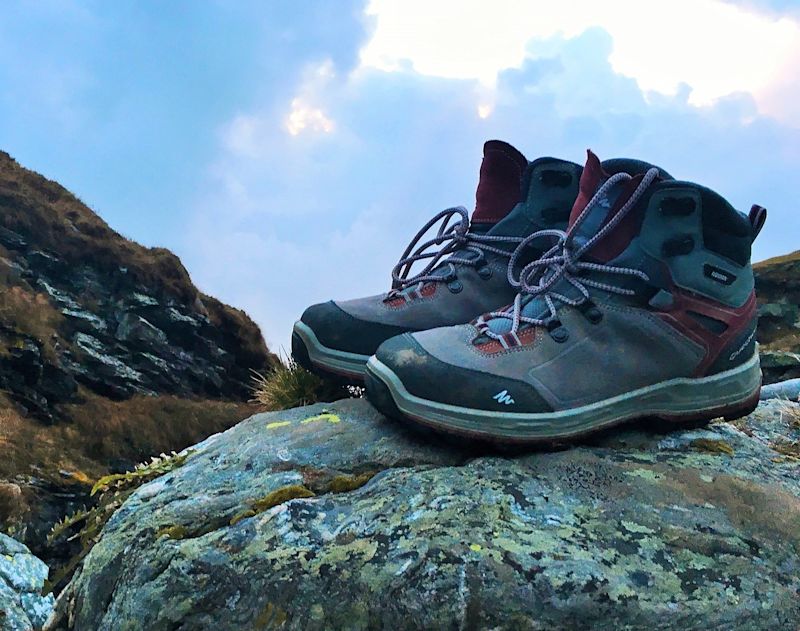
x=729 y=412
x=745 y=409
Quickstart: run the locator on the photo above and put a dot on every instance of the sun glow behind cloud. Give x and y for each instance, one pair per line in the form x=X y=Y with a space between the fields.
x=715 y=47
x=305 y=117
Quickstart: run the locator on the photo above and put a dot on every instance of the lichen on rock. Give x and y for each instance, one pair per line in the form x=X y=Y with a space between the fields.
x=360 y=524
x=22 y=575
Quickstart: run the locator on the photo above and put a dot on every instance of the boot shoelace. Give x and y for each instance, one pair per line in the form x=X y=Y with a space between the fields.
x=455 y=237
x=563 y=261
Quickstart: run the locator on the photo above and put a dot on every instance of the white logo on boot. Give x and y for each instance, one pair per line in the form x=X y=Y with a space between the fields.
x=503 y=397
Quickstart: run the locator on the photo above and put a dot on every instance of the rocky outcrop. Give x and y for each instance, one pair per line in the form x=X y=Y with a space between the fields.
x=333 y=517
x=108 y=355
x=778 y=290
x=82 y=305
x=22 y=576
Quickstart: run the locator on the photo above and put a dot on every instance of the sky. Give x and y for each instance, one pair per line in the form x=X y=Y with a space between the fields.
x=287 y=151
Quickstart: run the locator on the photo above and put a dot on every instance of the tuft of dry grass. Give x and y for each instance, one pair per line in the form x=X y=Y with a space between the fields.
x=12 y=505
x=791 y=413
x=788 y=448
x=144 y=425
x=288 y=385
x=105 y=433
x=29 y=313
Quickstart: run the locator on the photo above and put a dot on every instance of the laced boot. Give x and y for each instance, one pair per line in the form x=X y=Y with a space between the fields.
x=643 y=306
x=463 y=265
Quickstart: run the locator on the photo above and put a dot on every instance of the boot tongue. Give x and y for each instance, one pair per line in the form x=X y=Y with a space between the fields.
x=500 y=183
x=592 y=178
x=595 y=175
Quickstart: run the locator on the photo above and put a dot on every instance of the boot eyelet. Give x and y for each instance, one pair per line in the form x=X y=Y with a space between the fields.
x=557 y=331
x=455 y=286
x=594 y=315
x=560 y=334
x=485 y=272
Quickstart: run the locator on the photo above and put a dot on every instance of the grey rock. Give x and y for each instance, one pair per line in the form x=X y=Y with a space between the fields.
x=789 y=389
x=44 y=261
x=697 y=529
x=33 y=381
x=92 y=322
x=11 y=239
x=778 y=291
x=13 y=268
x=177 y=316
x=95 y=351
x=134 y=328
x=783 y=310
x=778 y=366
x=779 y=359
x=58 y=296
x=22 y=576
x=144 y=299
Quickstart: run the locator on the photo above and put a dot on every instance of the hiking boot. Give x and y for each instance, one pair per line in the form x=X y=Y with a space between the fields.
x=644 y=306
x=465 y=277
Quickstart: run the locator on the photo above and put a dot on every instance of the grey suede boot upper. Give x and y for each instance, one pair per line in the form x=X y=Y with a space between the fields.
x=650 y=283
x=464 y=265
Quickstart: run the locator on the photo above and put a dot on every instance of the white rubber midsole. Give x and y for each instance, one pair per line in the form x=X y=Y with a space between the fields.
x=675 y=397
x=340 y=362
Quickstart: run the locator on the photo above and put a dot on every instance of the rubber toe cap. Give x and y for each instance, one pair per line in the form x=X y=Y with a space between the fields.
x=425 y=376
x=337 y=329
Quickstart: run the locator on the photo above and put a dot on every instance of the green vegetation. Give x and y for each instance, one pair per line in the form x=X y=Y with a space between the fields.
x=120 y=482
x=271 y=617
x=289 y=385
x=316 y=482
x=270 y=500
x=712 y=446
x=346 y=483
x=174 y=532
x=111 y=492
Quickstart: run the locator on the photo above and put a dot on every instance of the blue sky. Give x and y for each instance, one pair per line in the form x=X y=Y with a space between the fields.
x=288 y=150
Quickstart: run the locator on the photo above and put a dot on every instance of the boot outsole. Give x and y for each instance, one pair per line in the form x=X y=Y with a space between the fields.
x=380 y=395
x=301 y=355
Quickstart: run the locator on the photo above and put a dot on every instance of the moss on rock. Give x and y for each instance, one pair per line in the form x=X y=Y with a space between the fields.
x=645 y=533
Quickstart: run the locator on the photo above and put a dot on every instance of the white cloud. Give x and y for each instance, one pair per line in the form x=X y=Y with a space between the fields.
x=715 y=47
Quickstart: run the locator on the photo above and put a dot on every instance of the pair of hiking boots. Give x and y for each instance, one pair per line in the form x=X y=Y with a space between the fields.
x=575 y=298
